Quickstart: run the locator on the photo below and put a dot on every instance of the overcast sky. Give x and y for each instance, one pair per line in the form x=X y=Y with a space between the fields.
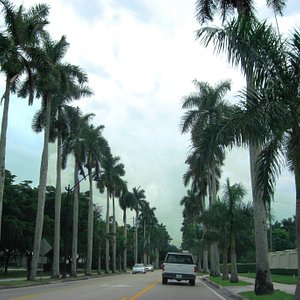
x=141 y=57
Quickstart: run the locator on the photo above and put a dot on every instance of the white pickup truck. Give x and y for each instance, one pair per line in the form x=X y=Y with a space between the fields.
x=179 y=266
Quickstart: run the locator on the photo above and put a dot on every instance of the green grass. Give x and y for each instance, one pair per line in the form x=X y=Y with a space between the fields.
x=13 y=274
x=286 y=279
x=220 y=281
x=277 y=295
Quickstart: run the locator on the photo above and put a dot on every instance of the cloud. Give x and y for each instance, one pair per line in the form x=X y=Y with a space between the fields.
x=141 y=58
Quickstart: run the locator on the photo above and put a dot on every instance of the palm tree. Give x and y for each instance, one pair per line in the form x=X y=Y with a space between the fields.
x=23 y=30
x=205 y=107
x=197 y=174
x=274 y=105
x=205 y=10
x=118 y=186
x=75 y=143
x=60 y=129
x=148 y=219
x=51 y=76
x=218 y=229
x=233 y=196
x=139 y=195
x=110 y=179
x=125 y=201
x=192 y=206
x=96 y=148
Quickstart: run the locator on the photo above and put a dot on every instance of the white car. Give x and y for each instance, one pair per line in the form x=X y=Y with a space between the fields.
x=139 y=268
x=149 y=268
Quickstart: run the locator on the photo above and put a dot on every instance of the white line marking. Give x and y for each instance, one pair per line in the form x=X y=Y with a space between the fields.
x=219 y=296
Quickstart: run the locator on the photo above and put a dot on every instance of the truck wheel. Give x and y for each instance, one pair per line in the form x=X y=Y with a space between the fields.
x=192 y=282
x=164 y=280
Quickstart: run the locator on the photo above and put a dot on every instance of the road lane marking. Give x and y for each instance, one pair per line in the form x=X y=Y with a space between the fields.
x=148 y=288
x=218 y=295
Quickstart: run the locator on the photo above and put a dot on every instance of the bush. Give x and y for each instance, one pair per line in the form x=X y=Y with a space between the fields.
x=285 y=271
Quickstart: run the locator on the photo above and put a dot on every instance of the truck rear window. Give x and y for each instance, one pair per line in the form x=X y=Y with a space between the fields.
x=180 y=259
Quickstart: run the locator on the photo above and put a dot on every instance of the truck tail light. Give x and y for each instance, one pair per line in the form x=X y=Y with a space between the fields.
x=162 y=267
x=195 y=268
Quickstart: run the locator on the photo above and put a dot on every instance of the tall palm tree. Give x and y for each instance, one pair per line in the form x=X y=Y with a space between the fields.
x=110 y=179
x=22 y=31
x=204 y=107
x=125 y=201
x=139 y=195
x=75 y=144
x=51 y=76
x=60 y=129
x=205 y=10
x=96 y=149
x=119 y=186
x=148 y=220
x=274 y=105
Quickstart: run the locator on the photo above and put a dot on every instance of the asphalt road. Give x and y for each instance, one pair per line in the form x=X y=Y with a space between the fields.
x=119 y=287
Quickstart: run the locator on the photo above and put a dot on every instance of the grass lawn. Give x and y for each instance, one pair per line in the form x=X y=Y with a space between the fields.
x=220 y=281
x=286 y=279
x=277 y=295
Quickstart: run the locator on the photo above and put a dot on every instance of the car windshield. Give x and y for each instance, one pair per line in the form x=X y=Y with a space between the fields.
x=138 y=265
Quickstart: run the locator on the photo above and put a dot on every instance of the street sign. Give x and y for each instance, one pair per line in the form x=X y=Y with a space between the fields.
x=45 y=247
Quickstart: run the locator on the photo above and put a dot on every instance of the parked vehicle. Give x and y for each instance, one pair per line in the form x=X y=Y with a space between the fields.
x=179 y=266
x=149 y=268
x=139 y=268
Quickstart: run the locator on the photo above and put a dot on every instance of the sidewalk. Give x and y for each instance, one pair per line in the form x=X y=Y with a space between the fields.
x=235 y=290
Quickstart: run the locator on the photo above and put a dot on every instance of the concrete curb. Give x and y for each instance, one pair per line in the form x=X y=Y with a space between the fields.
x=217 y=286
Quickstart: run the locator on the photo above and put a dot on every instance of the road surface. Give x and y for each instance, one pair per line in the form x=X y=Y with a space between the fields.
x=118 y=287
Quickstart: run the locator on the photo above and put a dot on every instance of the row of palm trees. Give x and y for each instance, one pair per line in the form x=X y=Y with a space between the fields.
x=266 y=119
x=34 y=68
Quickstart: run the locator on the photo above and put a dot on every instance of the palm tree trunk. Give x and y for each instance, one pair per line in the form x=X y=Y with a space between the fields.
x=125 y=242
x=205 y=260
x=144 y=245
x=107 y=234
x=297 y=184
x=156 y=265
x=225 y=275
x=56 y=244
x=136 y=238
x=263 y=280
x=4 y=125
x=214 y=257
x=75 y=222
x=114 y=239
x=233 y=274
x=41 y=195
x=90 y=227
x=99 y=257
